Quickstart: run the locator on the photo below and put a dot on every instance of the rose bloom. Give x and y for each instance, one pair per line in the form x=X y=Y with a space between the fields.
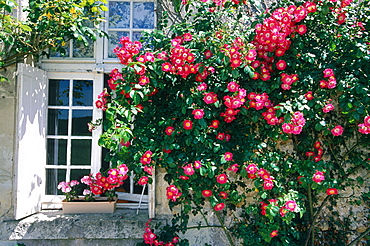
x=281 y=65
x=188 y=124
x=233 y=86
x=197 y=164
x=221 y=179
x=309 y=95
x=331 y=191
x=228 y=156
x=202 y=87
x=198 y=113
x=327 y=108
x=234 y=168
x=210 y=98
x=189 y=170
x=208 y=54
x=207 y=193
x=219 y=206
x=268 y=184
x=215 y=124
x=251 y=168
x=318 y=177
x=143 y=180
x=274 y=233
x=169 y=130
x=222 y=195
x=337 y=131
x=291 y=205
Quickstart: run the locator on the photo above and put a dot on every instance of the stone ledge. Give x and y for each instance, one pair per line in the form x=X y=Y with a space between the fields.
x=73 y=242
x=124 y=224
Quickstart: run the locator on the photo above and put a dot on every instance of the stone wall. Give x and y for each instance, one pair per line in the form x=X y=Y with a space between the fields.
x=7 y=134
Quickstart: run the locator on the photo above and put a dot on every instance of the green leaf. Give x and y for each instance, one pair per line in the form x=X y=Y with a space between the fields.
x=25 y=28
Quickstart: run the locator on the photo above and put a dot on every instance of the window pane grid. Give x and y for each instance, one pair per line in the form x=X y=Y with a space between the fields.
x=128 y=18
x=69 y=150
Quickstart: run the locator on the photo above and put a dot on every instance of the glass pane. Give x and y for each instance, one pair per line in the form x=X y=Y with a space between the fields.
x=82 y=51
x=80 y=118
x=137 y=188
x=136 y=36
x=77 y=174
x=119 y=14
x=82 y=93
x=81 y=152
x=56 y=152
x=53 y=178
x=57 y=121
x=58 y=92
x=63 y=51
x=144 y=15
x=114 y=38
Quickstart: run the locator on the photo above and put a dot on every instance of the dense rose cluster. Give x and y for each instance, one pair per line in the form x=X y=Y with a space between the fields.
x=233 y=102
x=253 y=171
x=173 y=193
x=331 y=82
x=238 y=53
x=272 y=37
x=102 y=101
x=146 y=158
x=128 y=50
x=317 y=154
x=151 y=238
x=364 y=128
x=296 y=124
x=181 y=59
x=287 y=80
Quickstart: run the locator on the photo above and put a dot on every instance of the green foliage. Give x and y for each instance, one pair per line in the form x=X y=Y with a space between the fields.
x=282 y=145
x=49 y=25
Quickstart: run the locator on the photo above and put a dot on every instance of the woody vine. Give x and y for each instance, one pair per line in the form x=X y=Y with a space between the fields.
x=275 y=108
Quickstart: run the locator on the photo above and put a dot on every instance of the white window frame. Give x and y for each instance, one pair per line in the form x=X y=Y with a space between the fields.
x=96 y=152
x=94 y=69
x=130 y=30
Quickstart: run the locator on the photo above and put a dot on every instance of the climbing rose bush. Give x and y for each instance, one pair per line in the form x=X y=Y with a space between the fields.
x=229 y=106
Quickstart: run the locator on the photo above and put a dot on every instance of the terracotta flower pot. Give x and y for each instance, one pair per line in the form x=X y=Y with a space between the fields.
x=79 y=206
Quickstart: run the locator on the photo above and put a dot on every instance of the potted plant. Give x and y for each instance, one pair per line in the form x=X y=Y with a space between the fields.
x=99 y=184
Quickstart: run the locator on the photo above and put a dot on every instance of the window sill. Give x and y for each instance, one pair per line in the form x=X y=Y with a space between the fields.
x=54 y=225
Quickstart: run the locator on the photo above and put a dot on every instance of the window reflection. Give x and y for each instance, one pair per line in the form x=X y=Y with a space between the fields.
x=58 y=92
x=119 y=14
x=82 y=93
x=143 y=15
